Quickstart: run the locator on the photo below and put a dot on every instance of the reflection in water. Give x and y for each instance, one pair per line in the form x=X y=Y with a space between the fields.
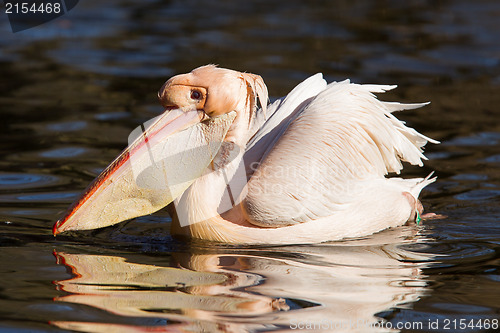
x=230 y=289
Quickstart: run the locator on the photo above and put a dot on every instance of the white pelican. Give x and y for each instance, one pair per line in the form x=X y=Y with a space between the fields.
x=311 y=167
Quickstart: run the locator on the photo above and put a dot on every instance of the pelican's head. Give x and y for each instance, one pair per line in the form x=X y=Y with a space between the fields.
x=217 y=92
x=204 y=109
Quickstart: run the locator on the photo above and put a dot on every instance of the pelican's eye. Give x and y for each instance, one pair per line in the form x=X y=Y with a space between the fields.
x=196 y=94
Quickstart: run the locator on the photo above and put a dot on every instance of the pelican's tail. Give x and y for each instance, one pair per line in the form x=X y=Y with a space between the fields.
x=421 y=183
x=413 y=185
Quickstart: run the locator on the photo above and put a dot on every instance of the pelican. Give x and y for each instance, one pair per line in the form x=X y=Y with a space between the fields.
x=310 y=167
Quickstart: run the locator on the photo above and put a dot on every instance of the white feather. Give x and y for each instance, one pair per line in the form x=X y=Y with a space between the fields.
x=279 y=116
x=339 y=140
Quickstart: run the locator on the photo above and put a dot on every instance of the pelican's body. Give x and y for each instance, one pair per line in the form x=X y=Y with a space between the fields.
x=308 y=168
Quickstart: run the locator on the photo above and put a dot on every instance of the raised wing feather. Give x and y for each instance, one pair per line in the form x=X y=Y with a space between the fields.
x=339 y=139
x=271 y=125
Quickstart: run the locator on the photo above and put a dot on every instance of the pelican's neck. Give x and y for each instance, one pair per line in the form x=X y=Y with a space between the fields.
x=222 y=186
x=217 y=191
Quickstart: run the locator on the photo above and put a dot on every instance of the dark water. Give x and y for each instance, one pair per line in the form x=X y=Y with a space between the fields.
x=71 y=91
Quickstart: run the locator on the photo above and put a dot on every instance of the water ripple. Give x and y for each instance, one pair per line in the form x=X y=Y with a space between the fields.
x=458 y=256
x=67 y=126
x=492 y=159
x=479 y=139
x=480 y=194
x=45 y=197
x=15 y=181
x=64 y=152
x=112 y=115
x=470 y=176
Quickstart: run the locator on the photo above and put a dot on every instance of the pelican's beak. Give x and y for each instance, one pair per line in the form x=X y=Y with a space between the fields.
x=162 y=161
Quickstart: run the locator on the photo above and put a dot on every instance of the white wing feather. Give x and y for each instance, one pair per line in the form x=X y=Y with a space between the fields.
x=279 y=116
x=324 y=149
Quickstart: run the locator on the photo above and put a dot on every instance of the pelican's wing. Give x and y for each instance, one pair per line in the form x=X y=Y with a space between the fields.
x=279 y=116
x=341 y=139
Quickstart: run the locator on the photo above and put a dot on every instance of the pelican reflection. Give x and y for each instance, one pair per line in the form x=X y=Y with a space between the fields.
x=238 y=290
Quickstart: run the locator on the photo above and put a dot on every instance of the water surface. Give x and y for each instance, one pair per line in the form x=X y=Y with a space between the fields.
x=73 y=89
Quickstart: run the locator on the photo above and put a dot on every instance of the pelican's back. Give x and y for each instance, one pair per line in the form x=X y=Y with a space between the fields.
x=341 y=142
